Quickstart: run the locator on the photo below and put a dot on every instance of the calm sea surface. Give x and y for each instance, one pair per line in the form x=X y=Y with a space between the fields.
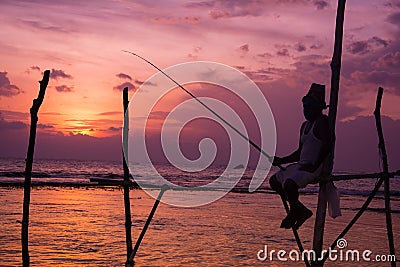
x=84 y=226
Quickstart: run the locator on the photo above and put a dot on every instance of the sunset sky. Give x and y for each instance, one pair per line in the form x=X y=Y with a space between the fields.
x=282 y=45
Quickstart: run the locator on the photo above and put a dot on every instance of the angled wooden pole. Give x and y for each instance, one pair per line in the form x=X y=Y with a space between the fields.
x=28 y=167
x=383 y=178
x=382 y=150
x=146 y=225
x=127 y=204
x=333 y=100
x=295 y=234
x=363 y=208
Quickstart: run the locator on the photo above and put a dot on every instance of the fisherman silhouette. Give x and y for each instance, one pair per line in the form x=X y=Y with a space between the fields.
x=314 y=146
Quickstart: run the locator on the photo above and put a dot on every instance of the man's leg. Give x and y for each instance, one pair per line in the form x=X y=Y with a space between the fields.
x=292 y=192
x=277 y=186
x=290 y=189
x=298 y=212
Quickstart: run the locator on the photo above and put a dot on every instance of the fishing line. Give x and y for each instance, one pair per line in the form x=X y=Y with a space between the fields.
x=270 y=158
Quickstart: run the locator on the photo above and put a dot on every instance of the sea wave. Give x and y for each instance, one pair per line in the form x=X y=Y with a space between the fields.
x=70 y=172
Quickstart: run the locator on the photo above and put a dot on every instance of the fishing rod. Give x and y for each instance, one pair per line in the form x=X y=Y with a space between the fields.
x=269 y=157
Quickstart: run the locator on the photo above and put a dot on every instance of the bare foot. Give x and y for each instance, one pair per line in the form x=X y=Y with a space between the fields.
x=289 y=221
x=303 y=214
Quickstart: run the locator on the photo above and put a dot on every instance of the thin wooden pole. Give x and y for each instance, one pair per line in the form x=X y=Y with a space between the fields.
x=269 y=157
x=146 y=225
x=28 y=167
x=343 y=177
x=355 y=218
x=382 y=150
x=319 y=227
x=127 y=204
x=333 y=101
x=384 y=178
x=296 y=235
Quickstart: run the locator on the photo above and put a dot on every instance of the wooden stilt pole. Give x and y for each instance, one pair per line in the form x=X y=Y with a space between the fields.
x=296 y=235
x=319 y=227
x=333 y=100
x=355 y=218
x=146 y=225
x=382 y=150
x=342 y=177
x=127 y=204
x=28 y=167
x=384 y=178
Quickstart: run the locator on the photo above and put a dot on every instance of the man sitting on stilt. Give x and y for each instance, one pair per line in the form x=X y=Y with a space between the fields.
x=314 y=146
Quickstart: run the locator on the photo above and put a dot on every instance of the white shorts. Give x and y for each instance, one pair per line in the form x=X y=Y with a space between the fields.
x=301 y=178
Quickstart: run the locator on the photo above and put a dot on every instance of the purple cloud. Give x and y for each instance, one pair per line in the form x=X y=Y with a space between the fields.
x=55 y=74
x=45 y=126
x=394 y=18
x=12 y=125
x=283 y=52
x=374 y=78
x=379 y=41
x=32 y=68
x=139 y=82
x=44 y=26
x=35 y=68
x=262 y=75
x=114 y=129
x=359 y=47
x=240 y=67
x=388 y=61
x=366 y=46
x=196 y=50
x=124 y=76
x=203 y=4
x=6 y=88
x=300 y=47
x=176 y=20
x=146 y=83
x=218 y=9
x=244 y=48
x=110 y=113
x=264 y=55
x=121 y=87
x=14 y=115
x=316 y=46
x=64 y=88
x=393 y=4
x=217 y=14
x=321 y=4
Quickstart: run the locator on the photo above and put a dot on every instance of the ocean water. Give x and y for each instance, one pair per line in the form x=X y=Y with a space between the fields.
x=75 y=172
x=84 y=226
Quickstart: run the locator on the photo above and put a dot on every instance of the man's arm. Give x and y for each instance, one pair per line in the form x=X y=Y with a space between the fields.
x=295 y=156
